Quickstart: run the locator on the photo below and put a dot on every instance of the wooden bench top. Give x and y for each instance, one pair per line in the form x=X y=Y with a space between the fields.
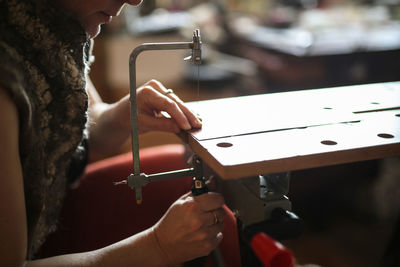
x=260 y=134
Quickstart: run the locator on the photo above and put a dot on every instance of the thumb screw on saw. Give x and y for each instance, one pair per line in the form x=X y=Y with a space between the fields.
x=199 y=182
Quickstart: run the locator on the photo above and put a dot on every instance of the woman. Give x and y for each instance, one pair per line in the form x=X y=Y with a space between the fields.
x=50 y=114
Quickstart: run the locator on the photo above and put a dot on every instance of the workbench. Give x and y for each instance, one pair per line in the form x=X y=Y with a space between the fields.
x=278 y=132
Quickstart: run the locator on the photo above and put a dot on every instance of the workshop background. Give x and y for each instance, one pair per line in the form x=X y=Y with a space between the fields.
x=350 y=211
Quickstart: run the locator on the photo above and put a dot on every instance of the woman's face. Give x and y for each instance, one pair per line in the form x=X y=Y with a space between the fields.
x=92 y=13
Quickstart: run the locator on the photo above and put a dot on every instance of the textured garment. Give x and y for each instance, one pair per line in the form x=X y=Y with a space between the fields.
x=44 y=56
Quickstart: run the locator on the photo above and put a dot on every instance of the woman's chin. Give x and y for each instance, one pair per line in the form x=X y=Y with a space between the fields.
x=93 y=31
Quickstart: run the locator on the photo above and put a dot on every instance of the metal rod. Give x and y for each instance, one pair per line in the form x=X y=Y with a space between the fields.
x=170 y=175
x=132 y=90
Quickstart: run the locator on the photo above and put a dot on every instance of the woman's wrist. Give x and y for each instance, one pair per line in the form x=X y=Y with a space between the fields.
x=141 y=249
x=160 y=247
x=155 y=253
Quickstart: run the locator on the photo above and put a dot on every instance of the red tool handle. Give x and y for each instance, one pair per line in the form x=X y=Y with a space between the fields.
x=270 y=252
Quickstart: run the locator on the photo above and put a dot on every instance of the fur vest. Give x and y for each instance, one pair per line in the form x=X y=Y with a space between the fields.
x=44 y=55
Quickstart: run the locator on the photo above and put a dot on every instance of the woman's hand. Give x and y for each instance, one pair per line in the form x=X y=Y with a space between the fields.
x=191 y=227
x=159 y=109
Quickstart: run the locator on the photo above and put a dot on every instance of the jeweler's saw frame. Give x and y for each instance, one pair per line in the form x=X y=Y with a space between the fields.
x=137 y=179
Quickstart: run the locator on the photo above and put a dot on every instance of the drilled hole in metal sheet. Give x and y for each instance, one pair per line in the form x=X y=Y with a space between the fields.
x=224 y=144
x=375 y=103
x=328 y=142
x=328 y=108
x=397 y=115
x=385 y=135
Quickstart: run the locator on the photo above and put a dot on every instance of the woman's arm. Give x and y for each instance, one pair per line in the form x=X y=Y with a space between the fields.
x=13 y=228
x=110 y=125
x=13 y=225
x=186 y=231
x=138 y=250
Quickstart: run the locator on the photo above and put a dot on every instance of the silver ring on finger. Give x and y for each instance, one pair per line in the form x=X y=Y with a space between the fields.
x=216 y=220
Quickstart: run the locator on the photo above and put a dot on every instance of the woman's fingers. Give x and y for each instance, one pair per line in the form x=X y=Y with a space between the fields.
x=218 y=216
x=210 y=201
x=211 y=218
x=192 y=118
x=208 y=237
x=152 y=103
x=159 y=123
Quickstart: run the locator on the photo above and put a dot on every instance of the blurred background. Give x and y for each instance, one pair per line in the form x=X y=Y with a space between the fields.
x=258 y=46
